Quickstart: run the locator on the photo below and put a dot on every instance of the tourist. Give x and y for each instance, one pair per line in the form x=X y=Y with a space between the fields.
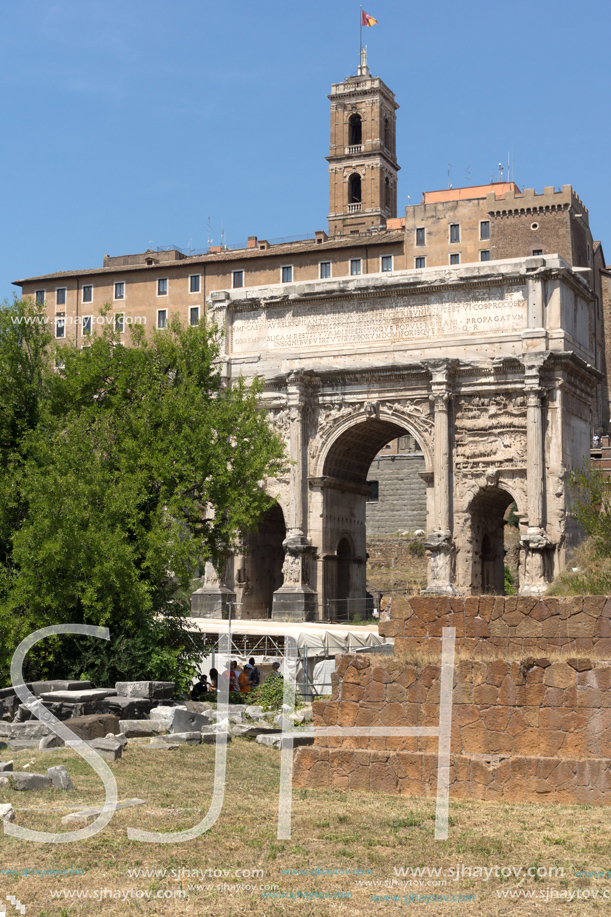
x=200 y=687
x=233 y=678
x=214 y=680
x=255 y=673
x=244 y=680
x=276 y=669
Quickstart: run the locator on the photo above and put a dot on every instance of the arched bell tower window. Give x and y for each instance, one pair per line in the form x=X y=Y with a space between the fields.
x=387 y=134
x=354 y=189
x=387 y=194
x=355 y=131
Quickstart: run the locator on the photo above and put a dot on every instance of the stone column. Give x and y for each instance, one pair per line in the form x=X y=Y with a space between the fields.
x=536 y=547
x=438 y=544
x=296 y=600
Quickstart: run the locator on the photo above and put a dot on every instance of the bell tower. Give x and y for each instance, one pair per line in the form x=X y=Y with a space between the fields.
x=362 y=157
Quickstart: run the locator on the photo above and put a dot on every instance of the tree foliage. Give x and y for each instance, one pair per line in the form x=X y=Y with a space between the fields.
x=123 y=471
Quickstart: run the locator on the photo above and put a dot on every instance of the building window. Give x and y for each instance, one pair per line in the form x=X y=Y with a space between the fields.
x=194 y=283
x=88 y=293
x=238 y=279
x=386 y=263
x=86 y=324
x=355 y=130
x=120 y=290
x=162 y=318
x=454 y=259
x=194 y=315
x=162 y=286
x=287 y=273
x=120 y=322
x=420 y=263
x=40 y=297
x=374 y=491
x=484 y=229
x=60 y=296
x=454 y=232
x=484 y=256
x=537 y=251
x=60 y=328
x=355 y=267
x=325 y=270
x=420 y=236
x=354 y=189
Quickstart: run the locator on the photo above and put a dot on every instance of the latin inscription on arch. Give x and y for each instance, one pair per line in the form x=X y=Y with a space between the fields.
x=357 y=322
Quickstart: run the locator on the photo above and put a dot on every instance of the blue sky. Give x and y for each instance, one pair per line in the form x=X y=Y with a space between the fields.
x=131 y=123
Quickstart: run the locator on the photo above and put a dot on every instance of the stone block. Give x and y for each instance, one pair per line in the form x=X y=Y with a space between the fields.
x=78 y=697
x=88 y=815
x=21 y=780
x=151 y=690
x=60 y=778
x=51 y=741
x=109 y=748
x=33 y=729
x=185 y=721
x=93 y=726
x=7 y=813
x=140 y=728
x=223 y=738
x=183 y=738
x=6 y=766
x=272 y=741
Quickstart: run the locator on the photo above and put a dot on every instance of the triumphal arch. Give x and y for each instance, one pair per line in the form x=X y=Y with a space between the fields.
x=488 y=366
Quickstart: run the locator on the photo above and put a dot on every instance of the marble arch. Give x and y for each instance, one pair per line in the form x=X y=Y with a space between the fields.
x=490 y=366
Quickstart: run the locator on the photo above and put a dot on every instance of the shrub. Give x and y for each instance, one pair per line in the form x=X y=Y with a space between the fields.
x=270 y=695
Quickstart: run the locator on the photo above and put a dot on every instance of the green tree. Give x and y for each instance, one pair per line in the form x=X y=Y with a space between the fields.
x=139 y=465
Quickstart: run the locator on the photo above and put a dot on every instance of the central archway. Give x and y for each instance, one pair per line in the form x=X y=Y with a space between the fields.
x=346 y=490
x=488 y=509
x=259 y=570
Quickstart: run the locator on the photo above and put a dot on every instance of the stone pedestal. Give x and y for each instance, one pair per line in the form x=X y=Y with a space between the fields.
x=438 y=547
x=296 y=600
x=212 y=602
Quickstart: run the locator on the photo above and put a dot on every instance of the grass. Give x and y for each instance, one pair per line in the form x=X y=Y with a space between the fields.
x=332 y=830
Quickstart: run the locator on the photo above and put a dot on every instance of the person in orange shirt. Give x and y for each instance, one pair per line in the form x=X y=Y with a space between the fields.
x=244 y=679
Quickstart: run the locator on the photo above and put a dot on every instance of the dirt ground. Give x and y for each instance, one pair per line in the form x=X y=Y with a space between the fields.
x=347 y=854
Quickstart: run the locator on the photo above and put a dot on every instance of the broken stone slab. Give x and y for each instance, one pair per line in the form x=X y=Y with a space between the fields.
x=185 y=721
x=273 y=741
x=150 y=690
x=164 y=715
x=6 y=766
x=119 y=737
x=211 y=738
x=307 y=714
x=23 y=744
x=296 y=717
x=5 y=729
x=251 y=732
x=108 y=748
x=7 y=813
x=78 y=697
x=183 y=738
x=26 y=781
x=51 y=741
x=297 y=740
x=93 y=726
x=87 y=815
x=282 y=722
x=164 y=746
x=39 y=687
x=240 y=729
x=253 y=710
x=32 y=730
x=4 y=781
x=60 y=778
x=134 y=729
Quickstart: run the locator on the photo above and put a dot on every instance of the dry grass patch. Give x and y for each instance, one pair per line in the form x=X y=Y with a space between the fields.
x=331 y=830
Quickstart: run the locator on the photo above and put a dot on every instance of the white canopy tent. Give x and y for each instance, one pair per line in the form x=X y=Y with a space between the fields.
x=266 y=641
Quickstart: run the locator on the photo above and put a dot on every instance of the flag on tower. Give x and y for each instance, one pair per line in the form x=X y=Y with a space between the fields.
x=366 y=19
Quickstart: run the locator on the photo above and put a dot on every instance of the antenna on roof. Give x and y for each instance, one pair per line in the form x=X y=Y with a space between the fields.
x=500 y=171
x=210 y=237
x=468 y=171
x=449 y=169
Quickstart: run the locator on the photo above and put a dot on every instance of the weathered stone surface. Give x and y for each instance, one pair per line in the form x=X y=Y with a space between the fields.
x=7 y=813
x=108 y=747
x=141 y=728
x=93 y=726
x=78 y=697
x=33 y=729
x=6 y=766
x=22 y=780
x=50 y=741
x=253 y=711
x=153 y=690
x=182 y=738
x=273 y=741
x=60 y=778
x=185 y=721
x=213 y=738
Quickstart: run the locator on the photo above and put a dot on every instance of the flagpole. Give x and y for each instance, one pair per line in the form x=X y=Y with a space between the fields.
x=361 y=37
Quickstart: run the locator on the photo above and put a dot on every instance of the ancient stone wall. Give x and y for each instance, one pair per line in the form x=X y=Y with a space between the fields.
x=531 y=716
x=401 y=503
